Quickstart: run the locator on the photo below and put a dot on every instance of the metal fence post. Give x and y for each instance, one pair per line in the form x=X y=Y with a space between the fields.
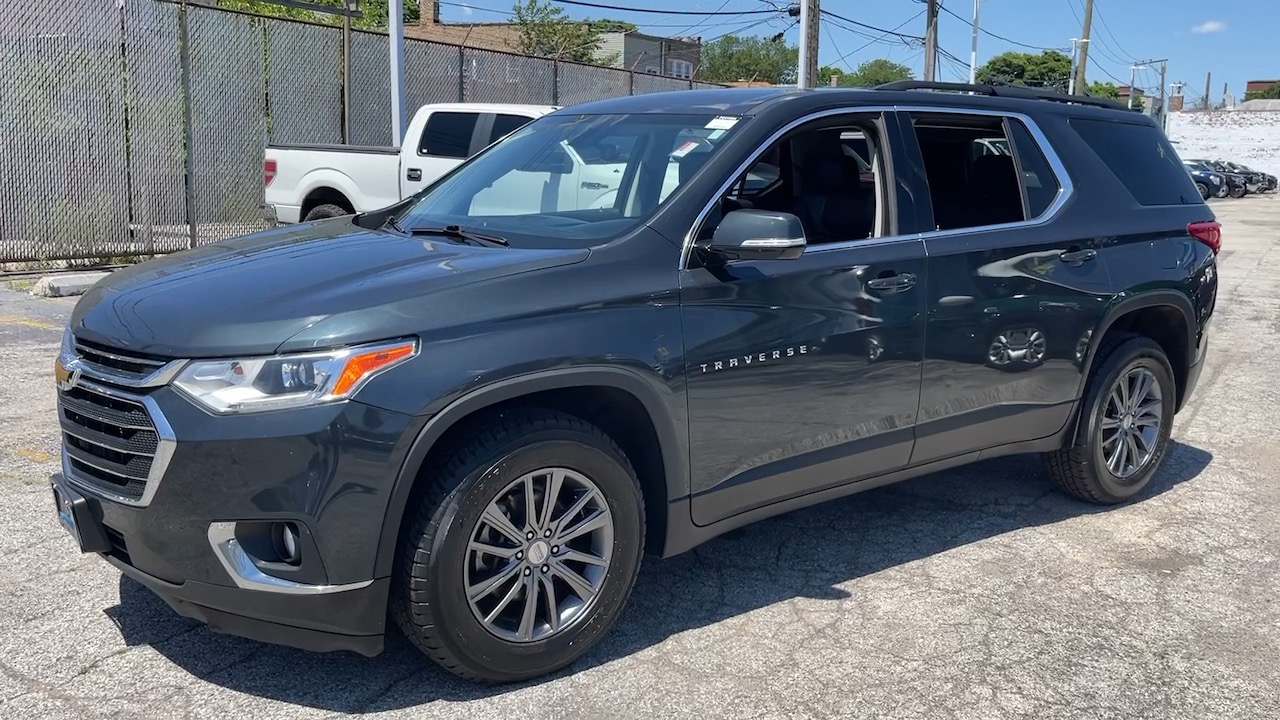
x=631 y=82
x=462 y=80
x=184 y=58
x=555 y=81
x=346 y=71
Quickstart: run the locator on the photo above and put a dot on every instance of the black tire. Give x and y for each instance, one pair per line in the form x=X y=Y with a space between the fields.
x=322 y=212
x=428 y=600
x=1238 y=192
x=1081 y=470
x=1204 y=190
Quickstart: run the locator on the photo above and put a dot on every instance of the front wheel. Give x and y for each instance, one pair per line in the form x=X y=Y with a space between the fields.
x=1204 y=190
x=1238 y=192
x=520 y=554
x=1124 y=430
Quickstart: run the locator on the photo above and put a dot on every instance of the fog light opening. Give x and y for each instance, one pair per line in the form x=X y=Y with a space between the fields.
x=285 y=535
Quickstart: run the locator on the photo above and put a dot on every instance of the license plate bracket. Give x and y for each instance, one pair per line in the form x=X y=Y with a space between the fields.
x=76 y=515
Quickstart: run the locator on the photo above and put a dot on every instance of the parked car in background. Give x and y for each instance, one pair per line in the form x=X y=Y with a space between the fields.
x=1266 y=181
x=1209 y=183
x=1237 y=184
x=312 y=182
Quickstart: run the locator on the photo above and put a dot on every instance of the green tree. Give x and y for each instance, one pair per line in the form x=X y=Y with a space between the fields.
x=373 y=12
x=1049 y=69
x=610 y=26
x=826 y=72
x=1271 y=93
x=876 y=72
x=732 y=58
x=1104 y=90
x=545 y=31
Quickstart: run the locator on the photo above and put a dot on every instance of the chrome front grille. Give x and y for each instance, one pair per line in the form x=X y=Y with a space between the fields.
x=127 y=367
x=115 y=441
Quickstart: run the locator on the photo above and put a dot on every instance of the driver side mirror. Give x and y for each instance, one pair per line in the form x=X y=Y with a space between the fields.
x=757 y=235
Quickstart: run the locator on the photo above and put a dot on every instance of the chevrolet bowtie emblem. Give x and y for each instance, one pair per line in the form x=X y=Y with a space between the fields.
x=66 y=373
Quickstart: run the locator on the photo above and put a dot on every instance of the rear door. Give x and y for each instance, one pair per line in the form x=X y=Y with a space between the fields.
x=447 y=139
x=1012 y=298
x=804 y=374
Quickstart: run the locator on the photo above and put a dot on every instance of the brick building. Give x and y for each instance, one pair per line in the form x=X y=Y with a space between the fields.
x=484 y=35
x=1260 y=85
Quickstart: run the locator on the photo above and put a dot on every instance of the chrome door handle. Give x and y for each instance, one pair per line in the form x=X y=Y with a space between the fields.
x=1076 y=257
x=893 y=283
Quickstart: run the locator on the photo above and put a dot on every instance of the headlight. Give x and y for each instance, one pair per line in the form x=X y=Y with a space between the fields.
x=68 y=343
x=288 y=381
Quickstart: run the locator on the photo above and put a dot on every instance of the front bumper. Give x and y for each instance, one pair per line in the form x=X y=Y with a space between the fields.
x=328 y=470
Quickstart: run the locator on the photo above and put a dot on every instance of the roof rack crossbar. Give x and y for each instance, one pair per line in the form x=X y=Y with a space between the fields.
x=1004 y=90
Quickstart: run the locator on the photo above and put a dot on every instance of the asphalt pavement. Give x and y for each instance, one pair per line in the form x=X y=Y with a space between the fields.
x=975 y=593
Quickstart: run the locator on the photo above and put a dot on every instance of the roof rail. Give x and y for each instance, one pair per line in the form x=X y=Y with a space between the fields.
x=1005 y=90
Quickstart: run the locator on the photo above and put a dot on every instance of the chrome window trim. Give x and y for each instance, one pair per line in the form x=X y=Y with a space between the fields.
x=159 y=461
x=247 y=576
x=1065 y=187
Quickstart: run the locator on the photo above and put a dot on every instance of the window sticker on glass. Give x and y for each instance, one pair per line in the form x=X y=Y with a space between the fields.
x=685 y=149
x=722 y=122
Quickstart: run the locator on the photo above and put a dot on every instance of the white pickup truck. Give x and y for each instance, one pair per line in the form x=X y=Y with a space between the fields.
x=309 y=182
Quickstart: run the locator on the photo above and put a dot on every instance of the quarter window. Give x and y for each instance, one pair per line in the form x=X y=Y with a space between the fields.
x=1142 y=158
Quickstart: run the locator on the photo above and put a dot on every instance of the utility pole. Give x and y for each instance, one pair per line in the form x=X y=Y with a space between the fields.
x=810 y=15
x=931 y=41
x=1207 y=77
x=1075 y=58
x=973 y=51
x=1164 y=67
x=1084 y=48
x=395 y=17
x=1133 y=74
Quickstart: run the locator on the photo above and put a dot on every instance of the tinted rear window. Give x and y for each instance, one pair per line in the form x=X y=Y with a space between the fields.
x=1142 y=158
x=504 y=125
x=448 y=134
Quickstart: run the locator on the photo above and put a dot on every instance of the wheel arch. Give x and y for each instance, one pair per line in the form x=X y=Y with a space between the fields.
x=324 y=195
x=1167 y=317
x=662 y=478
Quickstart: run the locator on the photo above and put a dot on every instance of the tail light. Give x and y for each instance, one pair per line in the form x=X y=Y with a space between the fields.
x=268 y=171
x=1208 y=232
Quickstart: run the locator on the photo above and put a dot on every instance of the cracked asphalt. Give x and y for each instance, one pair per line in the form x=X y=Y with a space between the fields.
x=975 y=593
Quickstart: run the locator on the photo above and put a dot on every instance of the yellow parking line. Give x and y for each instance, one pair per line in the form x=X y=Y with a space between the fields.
x=27 y=322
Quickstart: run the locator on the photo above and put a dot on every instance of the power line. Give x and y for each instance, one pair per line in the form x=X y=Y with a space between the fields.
x=985 y=31
x=881 y=38
x=1119 y=49
x=618 y=8
x=904 y=36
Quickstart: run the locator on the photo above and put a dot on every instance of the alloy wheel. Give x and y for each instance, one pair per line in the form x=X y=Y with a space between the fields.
x=539 y=554
x=1131 y=422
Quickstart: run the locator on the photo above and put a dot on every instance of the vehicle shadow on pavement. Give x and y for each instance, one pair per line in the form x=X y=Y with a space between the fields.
x=812 y=553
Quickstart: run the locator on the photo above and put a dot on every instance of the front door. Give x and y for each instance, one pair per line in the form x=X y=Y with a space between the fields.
x=805 y=374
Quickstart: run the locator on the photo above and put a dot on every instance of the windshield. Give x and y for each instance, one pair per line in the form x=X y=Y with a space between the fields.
x=572 y=180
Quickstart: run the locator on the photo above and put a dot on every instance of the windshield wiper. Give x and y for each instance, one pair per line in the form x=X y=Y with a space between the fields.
x=459 y=233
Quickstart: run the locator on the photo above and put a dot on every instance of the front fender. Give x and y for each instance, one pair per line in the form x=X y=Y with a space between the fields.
x=659 y=400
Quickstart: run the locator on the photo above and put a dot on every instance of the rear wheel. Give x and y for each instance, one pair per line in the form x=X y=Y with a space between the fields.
x=1124 y=430
x=521 y=553
x=328 y=210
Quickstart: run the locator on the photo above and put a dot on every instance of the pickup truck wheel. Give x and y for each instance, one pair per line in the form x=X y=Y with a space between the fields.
x=1128 y=414
x=328 y=210
x=522 y=551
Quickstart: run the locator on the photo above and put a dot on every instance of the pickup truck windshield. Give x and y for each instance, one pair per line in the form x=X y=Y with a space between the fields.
x=573 y=180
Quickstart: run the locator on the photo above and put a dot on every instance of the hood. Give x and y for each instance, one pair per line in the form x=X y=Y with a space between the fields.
x=249 y=295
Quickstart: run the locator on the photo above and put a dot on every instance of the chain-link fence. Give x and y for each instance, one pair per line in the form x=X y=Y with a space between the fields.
x=137 y=127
